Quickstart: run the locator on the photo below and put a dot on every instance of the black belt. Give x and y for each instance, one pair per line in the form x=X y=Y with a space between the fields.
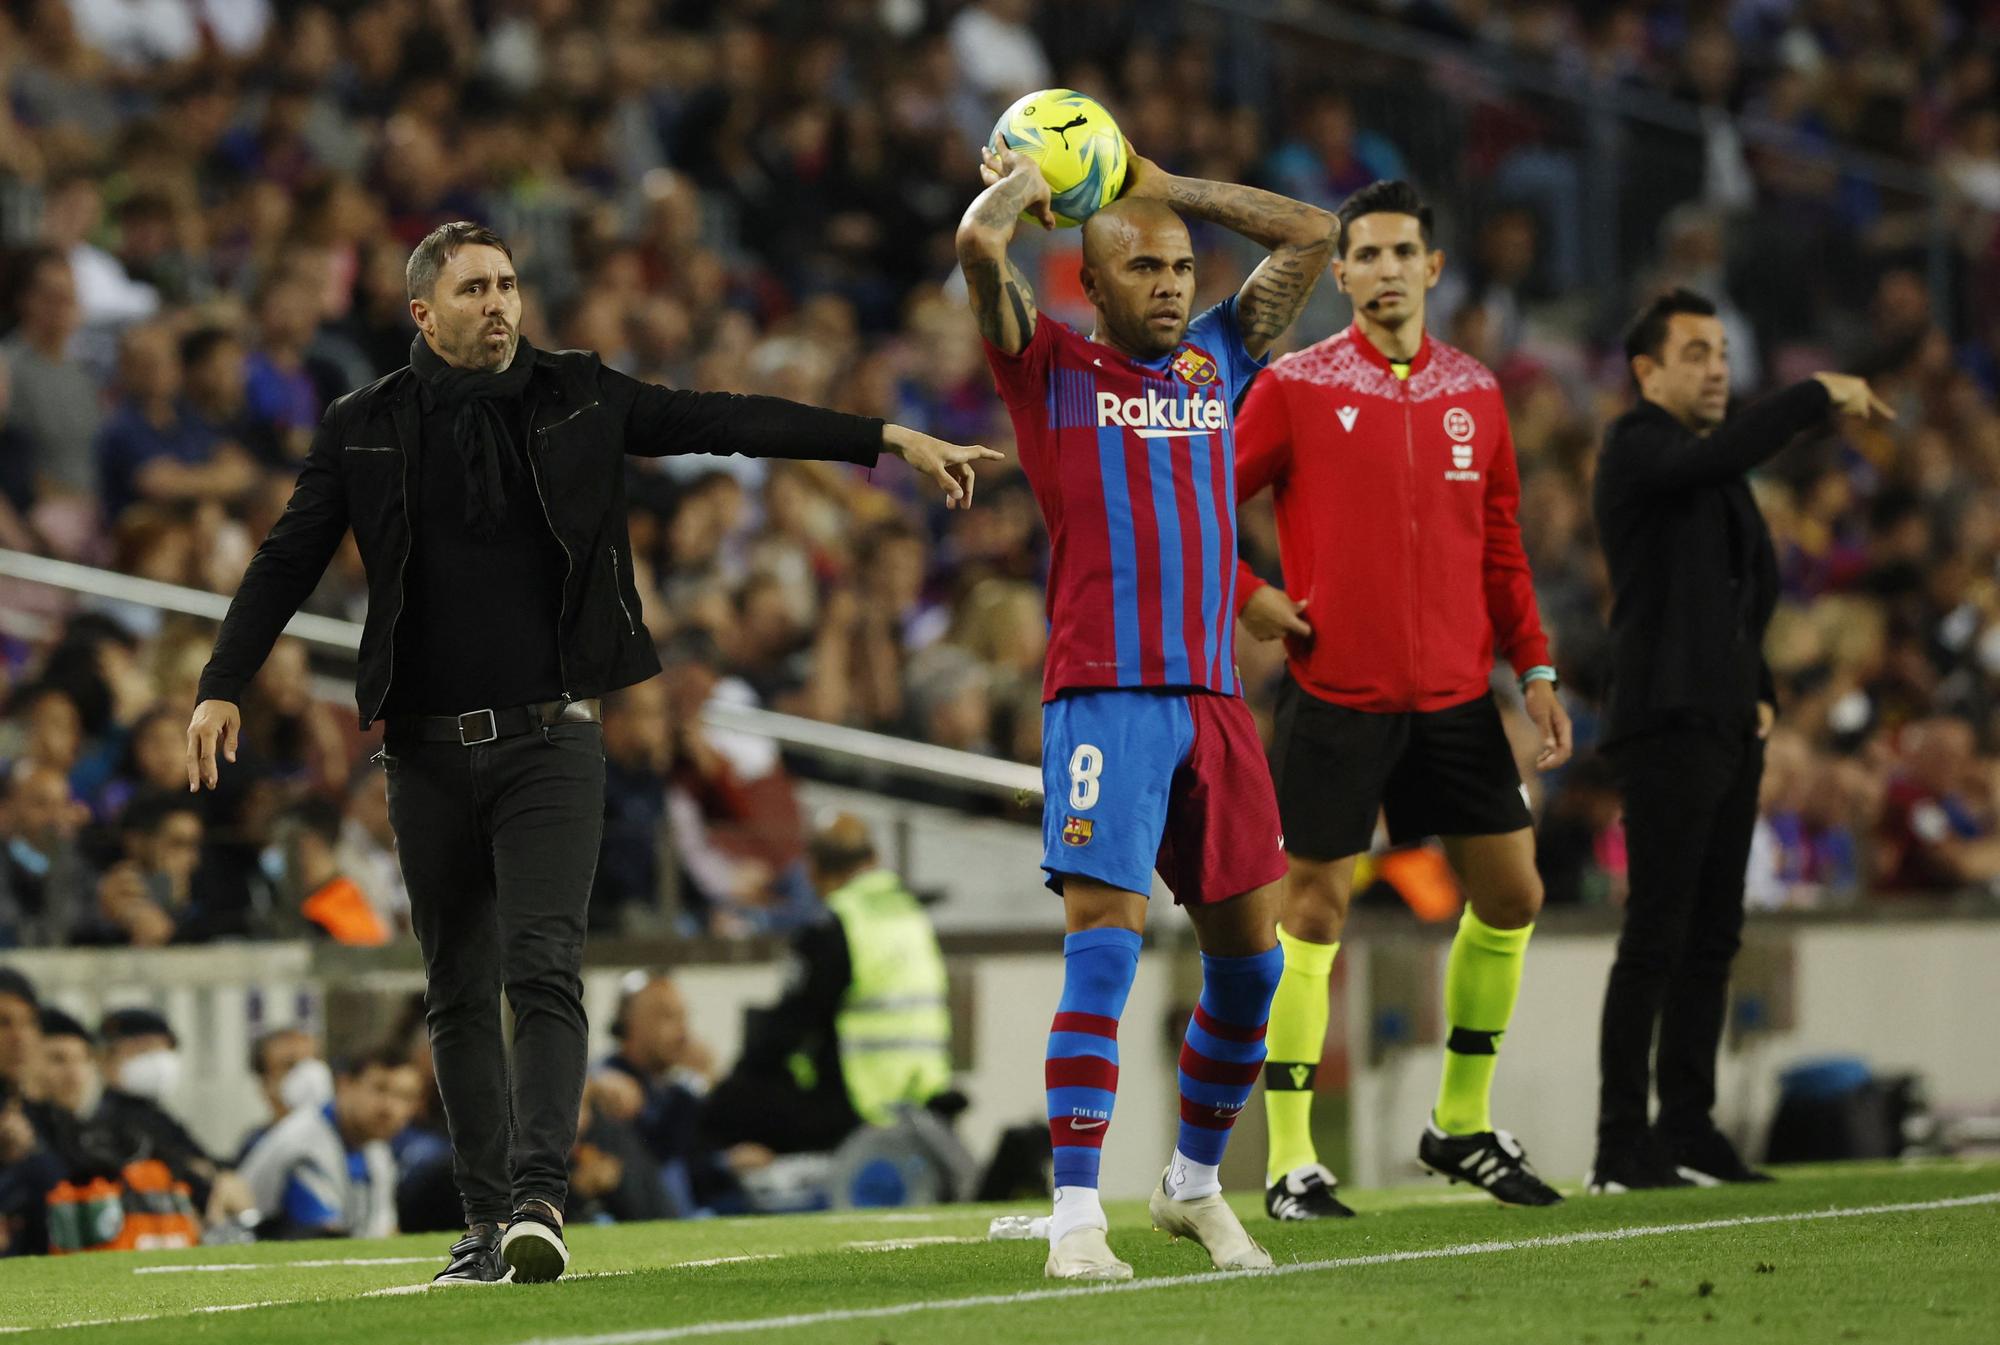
x=484 y=726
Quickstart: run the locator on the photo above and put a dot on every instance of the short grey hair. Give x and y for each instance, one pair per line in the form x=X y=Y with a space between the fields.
x=438 y=248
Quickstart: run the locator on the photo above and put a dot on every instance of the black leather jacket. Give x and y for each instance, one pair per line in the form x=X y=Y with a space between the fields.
x=583 y=418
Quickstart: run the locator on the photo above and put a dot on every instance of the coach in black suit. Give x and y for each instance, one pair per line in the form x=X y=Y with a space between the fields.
x=1694 y=582
x=485 y=487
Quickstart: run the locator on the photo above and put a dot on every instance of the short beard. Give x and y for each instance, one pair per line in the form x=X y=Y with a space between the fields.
x=1140 y=340
x=474 y=354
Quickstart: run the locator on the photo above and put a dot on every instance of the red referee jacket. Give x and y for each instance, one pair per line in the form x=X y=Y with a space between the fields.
x=1396 y=522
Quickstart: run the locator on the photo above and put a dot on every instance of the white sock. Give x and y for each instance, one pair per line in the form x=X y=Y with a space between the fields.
x=1076 y=1207
x=1189 y=1180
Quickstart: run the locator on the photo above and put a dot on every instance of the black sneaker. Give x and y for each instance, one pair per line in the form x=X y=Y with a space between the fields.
x=475 y=1259
x=1710 y=1160
x=1492 y=1159
x=533 y=1246
x=1635 y=1165
x=1305 y=1193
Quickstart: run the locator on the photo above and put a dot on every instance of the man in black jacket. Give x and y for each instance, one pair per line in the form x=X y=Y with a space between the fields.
x=485 y=488
x=1694 y=582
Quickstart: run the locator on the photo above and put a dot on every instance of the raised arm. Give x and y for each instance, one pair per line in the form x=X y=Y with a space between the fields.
x=1002 y=300
x=1300 y=238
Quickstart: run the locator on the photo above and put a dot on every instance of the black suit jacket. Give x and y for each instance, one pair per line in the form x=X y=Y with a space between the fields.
x=1693 y=577
x=582 y=419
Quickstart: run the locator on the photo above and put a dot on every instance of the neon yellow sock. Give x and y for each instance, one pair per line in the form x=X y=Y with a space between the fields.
x=1296 y=1036
x=1481 y=980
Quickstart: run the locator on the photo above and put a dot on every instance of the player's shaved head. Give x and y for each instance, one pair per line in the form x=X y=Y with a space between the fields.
x=1138 y=271
x=1129 y=225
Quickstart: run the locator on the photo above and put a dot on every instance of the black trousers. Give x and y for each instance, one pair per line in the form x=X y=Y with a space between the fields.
x=498 y=846
x=1690 y=807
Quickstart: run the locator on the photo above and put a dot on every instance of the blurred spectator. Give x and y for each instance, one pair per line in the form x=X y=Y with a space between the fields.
x=330 y=903
x=290 y=1076
x=655 y=1082
x=153 y=447
x=28 y=1167
x=366 y=850
x=144 y=898
x=45 y=883
x=1937 y=827
x=56 y=404
x=1330 y=157
x=215 y=382
x=72 y=213
x=997 y=51
x=69 y=1076
x=627 y=893
x=327 y=1171
x=20 y=1034
x=142 y=1069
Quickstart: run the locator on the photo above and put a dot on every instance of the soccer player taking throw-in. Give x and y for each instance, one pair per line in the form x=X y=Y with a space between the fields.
x=1149 y=757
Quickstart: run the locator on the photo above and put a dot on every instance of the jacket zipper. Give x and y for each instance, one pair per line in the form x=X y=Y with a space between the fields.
x=402 y=568
x=569 y=561
x=1415 y=606
x=617 y=588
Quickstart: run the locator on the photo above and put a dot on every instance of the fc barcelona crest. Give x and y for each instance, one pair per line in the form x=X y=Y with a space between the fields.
x=1193 y=368
x=1076 y=831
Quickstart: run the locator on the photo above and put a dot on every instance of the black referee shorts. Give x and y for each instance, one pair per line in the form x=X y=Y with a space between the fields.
x=1447 y=772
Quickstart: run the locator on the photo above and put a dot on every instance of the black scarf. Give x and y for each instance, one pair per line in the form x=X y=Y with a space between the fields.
x=479 y=403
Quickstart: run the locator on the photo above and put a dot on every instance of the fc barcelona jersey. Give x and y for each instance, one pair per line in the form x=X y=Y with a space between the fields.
x=1133 y=464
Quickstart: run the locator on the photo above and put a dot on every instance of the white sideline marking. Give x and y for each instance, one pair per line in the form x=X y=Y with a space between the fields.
x=726 y=1260
x=898 y=1244
x=286 y=1265
x=745 y=1327
x=425 y=1286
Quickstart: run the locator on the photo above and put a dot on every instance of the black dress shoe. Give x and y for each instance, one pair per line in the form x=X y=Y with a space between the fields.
x=1710 y=1160
x=534 y=1248
x=1631 y=1165
x=475 y=1259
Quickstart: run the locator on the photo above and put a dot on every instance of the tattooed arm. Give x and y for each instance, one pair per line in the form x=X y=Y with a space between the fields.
x=1300 y=238
x=1002 y=299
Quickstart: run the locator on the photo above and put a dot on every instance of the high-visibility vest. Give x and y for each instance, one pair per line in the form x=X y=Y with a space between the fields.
x=893 y=1026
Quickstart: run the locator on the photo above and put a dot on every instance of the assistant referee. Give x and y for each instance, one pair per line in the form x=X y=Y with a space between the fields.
x=485 y=487
x=1391 y=466
x=1694 y=582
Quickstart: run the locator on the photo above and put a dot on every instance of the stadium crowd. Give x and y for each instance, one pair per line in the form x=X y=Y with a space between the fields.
x=207 y=204
x=353 y=1147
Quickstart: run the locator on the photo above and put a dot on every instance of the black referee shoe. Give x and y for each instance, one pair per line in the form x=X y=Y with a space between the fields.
x=1710 y=1160
x=475 y=1259
x=1305 y=1193
x=534 y=1246
x=1492 y=1159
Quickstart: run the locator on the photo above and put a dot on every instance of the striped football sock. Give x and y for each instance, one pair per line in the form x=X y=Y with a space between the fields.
x=1220 y=1060
x=1082 y=1068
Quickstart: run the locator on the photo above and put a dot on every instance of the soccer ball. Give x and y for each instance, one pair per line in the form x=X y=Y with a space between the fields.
x=1073 y=140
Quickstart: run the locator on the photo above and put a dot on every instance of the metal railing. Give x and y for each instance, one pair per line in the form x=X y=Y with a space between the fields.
x=877 y=754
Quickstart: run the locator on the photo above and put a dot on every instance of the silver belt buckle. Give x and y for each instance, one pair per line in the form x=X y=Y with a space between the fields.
x=492 y=728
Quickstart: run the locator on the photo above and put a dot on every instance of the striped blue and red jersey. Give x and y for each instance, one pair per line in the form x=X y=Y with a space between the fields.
x=1134 y=466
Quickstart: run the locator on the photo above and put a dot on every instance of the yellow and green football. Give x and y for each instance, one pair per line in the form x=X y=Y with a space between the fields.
x=1075 y=143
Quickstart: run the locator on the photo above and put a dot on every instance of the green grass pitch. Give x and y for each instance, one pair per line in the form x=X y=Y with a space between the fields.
x=1813 y=1258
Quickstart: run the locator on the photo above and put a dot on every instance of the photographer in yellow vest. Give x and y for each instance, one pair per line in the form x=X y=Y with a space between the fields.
x=862 y=1028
